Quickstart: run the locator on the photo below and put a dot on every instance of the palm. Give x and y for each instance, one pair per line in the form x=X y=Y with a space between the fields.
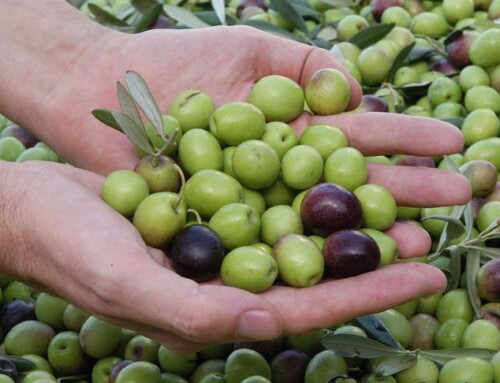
x=170 y=62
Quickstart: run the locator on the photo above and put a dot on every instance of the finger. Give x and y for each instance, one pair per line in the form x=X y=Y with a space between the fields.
x=338 y=301
x=299 y=62
x=375 y=133
x=320 y=58
x=85 y=178
x=413 y=241
x=421 y=186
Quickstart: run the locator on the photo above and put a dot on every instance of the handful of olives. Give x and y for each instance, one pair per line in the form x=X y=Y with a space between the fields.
x=239 y=194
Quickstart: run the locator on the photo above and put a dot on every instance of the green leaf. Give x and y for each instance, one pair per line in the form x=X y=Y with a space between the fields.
x=210 y=17
x=492 y=226
x=376 y=330
x=468 y=219
x=143 y=5
x=420 y=52
x=327 y=33
x=446 y=218
x=268 y=27
x=126 y=12
x=443 y=356
x=183 y=16
x=76 y=3
x=370 y=35
x=289 y=13
x=453 y=228
x=399 y=61
x=452 y=166
x=141 y=94
x=472 y=265
x=351 y=346
x=455 y=269
x=490 y=252
x=319 y=42
x=339 y=3
x=457 y=121
x=305 y=9
x=220 y=9
x=414 y=90
x=106 y=117
x=452 y=36
x=127 y=104
x=104 y=17
x=395 y=364
x=133 y=132
x=22 y=364
x=147 y=18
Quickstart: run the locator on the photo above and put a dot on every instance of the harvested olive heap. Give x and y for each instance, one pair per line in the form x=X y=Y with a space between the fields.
x=231 y=192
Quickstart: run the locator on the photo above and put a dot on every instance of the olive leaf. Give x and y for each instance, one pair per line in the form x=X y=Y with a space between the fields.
x=443 y=356
x=453 y=36
x=490 y=252
x=76 y=3
x=468 y=219
x=455 y=269
x=370 y=35
x=395 y=364
x=339 y=3
x=421 y=52
x=491 y=227
x=133 y=131
x=104 y=17
x=472 y=265
x=322 y=43
x=305 y=9
x=141 y=94
x=457 y=121
x=453 y=228
x=106 y=117
x=184 y=17
x=22 y=364
x=373 y=326
x=127 y=104
x=268 y=27
x=147 y=18
x=220 y=9
x=286 y=9
x=351 y=346
x=414 y=90
x=143 y=5
x=399 y=61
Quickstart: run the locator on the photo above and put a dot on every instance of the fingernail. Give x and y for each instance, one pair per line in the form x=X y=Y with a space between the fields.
x=258 y=325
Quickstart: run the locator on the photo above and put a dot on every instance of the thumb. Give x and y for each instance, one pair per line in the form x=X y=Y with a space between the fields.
x=320 y=58
x=200 y=314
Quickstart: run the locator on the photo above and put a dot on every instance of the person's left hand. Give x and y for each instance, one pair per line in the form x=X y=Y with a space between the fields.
x=64 y=239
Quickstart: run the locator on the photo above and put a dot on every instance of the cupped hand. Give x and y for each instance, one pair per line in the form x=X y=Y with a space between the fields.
x=83 y=251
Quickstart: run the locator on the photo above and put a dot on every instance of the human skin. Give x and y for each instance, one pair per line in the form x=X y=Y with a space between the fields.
x=58 y=66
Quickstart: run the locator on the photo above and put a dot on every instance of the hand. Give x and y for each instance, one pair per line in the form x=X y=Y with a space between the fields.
x=80 y=249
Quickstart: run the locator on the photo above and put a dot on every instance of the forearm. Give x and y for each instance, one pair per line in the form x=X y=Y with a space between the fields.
x=40 y=42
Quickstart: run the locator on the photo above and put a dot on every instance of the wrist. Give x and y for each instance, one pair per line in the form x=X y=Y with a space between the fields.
x=46 y=45
x=11 y=218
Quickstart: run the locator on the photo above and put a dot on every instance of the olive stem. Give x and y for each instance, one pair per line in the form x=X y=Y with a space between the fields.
x=168 y=142
x=196 y=215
